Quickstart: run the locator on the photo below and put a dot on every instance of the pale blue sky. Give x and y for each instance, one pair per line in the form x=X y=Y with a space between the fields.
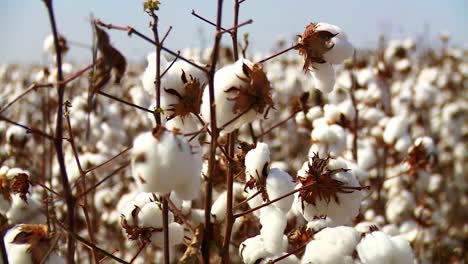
x=24 y=23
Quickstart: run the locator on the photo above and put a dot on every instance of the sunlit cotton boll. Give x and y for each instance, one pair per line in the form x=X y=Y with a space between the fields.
x=253 y=249
x=273 y=222
x=324 y=76
x=342 y=210
x=149 y=74
x=378 y=247
x=332 y=245
x=163 y=161
x=232 y=101
x=342 y=49
x=257 y=161
x=395 y=128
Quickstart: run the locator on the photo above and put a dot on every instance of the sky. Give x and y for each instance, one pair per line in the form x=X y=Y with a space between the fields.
x=24 y=23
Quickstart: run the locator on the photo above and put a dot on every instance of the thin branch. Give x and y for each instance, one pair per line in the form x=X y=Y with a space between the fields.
x=109 y=160
x=90 y=245
x=170 y=65
x=29 y=129
x=278 y=53
x=282 y=122
x=205 y=20
x=124 y=102
x=32 y=87
x=166 y=35
x=237 y=26
x=165 y=214
x=295 y=251
x=104 y=179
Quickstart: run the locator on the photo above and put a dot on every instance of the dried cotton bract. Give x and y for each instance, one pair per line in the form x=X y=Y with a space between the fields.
x=322 y=45
x=163 y=161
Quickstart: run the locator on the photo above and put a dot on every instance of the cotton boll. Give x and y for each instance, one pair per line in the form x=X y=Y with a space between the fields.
x=16 y=136
x=378 y=247
x=176 y=235
x=403 y=143
x=395 y=128
x=335 y=245
x=342 y=49
x=279 y=183
x=150 y=215
x=324 y=76
x=400 y=206
x=424 y=95
x=342 y=211
x=149 y=74
x=227 y=110
x=16 y=253
x=291 y=259
x=22 y=212
x=164 y=162
x=218 y=209
x=257 y=161
x=273 y=222
x=252 y=249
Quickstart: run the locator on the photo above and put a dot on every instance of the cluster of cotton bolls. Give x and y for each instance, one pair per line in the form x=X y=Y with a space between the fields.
x=368 y=167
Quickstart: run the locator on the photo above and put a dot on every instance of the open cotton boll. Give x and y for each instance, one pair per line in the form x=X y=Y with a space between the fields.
x=150 y=215
x=324 y=76
x=378 y=247
x=22 y=212
x=176 y=235
x=218 y=209
x=163 y=161
x=252 y=249
x=257 y=161
x=336 y=245
x=279 y=183
x=328 y=140
x=395 y=128
x=242 y=95
x=16 y=136
x=342 y=49
x=29 y=244
x=291 y=259
x=273 y=222
x=324 y=197
x=400 y=206
x=149 y=75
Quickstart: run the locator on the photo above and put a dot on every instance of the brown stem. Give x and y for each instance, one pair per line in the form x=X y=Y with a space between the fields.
x=104 y=179
x=237 y=26
x=229 y=220
x=356 y=111
x=170 y=65
x=295 y=251
x=109 y=160
x=124 y=102
x=278 y=53
x=89 y=244
x=214 y=137
x=140 y=249
x=205 y=20
x=69 y=199
x=29 y=129
x=278 y=124
x=248 y=199
x=32 y=87
x=157 y=80
x=165 y=213
x=179 y=214
x=235 y=45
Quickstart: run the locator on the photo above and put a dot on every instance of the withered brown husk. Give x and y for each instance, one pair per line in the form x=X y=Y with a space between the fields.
x=190 y=101
x=256 y=94
x=419 y=159
x=313 y=44
x=109 y=59
x=38 y=239
x=192 y=254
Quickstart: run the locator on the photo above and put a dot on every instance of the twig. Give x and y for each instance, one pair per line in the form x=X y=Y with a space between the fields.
x=295 y=251
x=29 y=129
x=179 y=214
x=205 y=20
x=352 y=91
x=246 y=200
x=157 y=76
x=229 y=219
x=237 y=26
x=109 y=160
x=32 y=87
x=165 y=213
x=278 y=53
x=124 y=102
x=89 y=244
x=170 y=65
x=104 y=179
x=282 y=122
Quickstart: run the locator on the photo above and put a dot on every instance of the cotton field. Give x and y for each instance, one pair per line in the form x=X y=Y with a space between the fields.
x=316 y=153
